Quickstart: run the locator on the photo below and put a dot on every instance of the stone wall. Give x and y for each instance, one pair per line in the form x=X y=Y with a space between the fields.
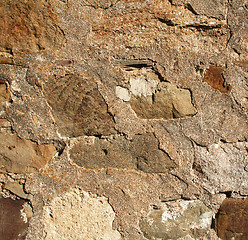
x=123 y=119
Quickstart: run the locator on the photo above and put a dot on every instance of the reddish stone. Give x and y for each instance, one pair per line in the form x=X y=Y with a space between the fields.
x=12 y=226
x=232 y=219
x=214 y=78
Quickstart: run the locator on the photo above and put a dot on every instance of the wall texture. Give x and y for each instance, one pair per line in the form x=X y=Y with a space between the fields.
x=123 y=119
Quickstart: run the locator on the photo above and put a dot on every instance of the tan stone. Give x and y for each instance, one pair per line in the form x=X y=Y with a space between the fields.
x=4 y=92
x=79 y=215
x=167 y=102
x=142 y=153
x=23 y=156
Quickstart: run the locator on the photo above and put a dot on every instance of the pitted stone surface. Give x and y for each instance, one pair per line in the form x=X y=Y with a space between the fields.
x=23 y=156
x=79 y=215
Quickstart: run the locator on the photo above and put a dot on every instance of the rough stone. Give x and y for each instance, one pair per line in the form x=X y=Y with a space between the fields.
x=78 y=107
x=13 y=226
x=177 y=219
x=215 y=79
x=168 y=102
x=4 y=92
x=16 y=188
x=79 y=215
x=231 y=219
x=222 y=159
x=140 y=153
x=122 y=93
x=33 y=19
x=23 y=156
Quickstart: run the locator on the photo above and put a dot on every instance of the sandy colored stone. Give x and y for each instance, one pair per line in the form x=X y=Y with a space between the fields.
x=232 y=219
x=33 y=19
x=79 y=215
x=167 y=102
x=4 y=92
x=23 y=156
x=177 y=219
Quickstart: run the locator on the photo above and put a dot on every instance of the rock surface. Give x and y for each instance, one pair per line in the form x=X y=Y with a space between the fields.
x=231 y=222
x=33 y=19
x=78 y=215
x=141 y=153
x=140 y=105
x=13 y=225
x=23 y=156
x=177 y=219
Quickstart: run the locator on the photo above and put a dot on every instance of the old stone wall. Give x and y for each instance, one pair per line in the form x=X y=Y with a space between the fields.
x=123 y=119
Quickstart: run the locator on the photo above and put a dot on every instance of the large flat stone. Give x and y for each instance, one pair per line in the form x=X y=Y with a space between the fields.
x=23 y=156
x=78 y=107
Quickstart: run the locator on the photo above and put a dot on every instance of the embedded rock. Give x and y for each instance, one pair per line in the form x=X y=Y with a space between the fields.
x=16 y=188
x=177 y=219
x=79 y=215
x=167 y=102
x=23 y=156
x=78 y=107
x=4 y=92
x=232 y=220
x=215 y=79
x=140 y=153
x=13 y=225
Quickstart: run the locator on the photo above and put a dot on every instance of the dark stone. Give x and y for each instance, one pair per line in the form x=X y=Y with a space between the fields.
x=12 y=225
x=214 y=78
x=232 y=219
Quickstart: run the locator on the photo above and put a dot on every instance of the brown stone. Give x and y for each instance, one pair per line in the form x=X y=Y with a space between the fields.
x=141 y=153
x=13 y=226
x=214 y=78
x=167 y=102
x=23 y=156
x=232 y=219
x=4 y=92
x=28 y=25
x=78 y=107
